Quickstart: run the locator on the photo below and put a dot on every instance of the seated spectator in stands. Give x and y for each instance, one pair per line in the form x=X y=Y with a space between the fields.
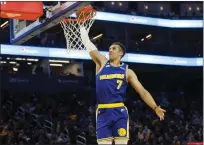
x=200 y=134
x=4 y=135
x=146 y=133
x=84 y=123
x=176 y=141
x=140 y=136
x=191 y=137
x=4 y=131
x=137 y=125
x=160 y=140
x=73 y=116
x=92 y=130
x=74 y=132
x=58 y=128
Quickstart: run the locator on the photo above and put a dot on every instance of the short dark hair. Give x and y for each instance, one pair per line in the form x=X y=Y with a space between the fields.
x=121 y=46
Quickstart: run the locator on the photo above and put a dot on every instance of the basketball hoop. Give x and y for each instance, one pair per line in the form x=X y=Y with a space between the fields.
x=71 y=27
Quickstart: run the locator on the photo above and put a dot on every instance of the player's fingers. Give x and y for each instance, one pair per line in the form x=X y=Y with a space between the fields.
x=161 y=118
x=163 y=110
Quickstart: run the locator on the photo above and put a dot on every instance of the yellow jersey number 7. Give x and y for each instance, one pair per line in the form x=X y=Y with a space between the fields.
x=119 y=82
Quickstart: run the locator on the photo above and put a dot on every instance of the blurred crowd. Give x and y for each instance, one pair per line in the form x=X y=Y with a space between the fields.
x=69 y=118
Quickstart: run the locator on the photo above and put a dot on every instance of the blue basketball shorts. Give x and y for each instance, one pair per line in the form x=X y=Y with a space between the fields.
x=112 y=123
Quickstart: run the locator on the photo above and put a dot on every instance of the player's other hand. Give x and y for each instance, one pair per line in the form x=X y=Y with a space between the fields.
x=160 y=112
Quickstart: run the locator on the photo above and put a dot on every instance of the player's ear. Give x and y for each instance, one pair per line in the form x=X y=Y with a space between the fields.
x=121 y=52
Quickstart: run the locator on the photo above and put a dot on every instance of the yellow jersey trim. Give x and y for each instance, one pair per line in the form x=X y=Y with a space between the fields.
x=111 y=105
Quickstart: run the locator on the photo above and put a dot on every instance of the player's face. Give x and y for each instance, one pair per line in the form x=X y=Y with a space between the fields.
x=115 y=52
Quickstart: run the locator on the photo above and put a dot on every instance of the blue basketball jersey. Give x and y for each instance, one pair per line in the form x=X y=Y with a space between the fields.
x=111 y=84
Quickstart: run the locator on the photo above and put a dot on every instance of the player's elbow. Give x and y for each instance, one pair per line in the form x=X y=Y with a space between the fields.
x=97 y=57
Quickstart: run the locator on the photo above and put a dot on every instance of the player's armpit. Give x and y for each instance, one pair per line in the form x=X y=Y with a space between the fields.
x=144 y=94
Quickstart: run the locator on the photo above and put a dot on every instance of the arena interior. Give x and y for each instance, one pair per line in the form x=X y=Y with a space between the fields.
x=48 y=95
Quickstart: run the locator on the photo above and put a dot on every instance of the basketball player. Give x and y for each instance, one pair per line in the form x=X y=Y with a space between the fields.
x=112 y=78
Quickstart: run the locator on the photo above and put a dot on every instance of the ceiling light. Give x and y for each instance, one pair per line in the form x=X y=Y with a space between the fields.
x=149 y=36
x=19 y=58
x=29 y=59
x=2 y=25
x=12 y=62
x=15 y=69
x=54 y=64
x=120 y=4
x=98 y=36
x=59 y=61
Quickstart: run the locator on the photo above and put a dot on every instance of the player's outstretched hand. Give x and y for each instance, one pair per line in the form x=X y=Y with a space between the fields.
x=160 y=112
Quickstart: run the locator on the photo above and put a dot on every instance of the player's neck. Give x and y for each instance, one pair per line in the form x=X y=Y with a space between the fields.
x=115 y=62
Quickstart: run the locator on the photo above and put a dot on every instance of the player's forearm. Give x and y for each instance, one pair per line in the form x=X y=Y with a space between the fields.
x=86 y=40
x=91 y=48
x=148 y=99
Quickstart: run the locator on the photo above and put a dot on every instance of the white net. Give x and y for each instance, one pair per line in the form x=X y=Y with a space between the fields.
x=71 y=29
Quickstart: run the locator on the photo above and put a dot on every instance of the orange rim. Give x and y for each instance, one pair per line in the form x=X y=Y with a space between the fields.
x=86 y=9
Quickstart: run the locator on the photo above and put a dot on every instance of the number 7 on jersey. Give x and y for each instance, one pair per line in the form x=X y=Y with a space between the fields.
x=119 y=82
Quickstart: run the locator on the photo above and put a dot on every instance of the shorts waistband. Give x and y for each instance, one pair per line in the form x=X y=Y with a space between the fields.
x=111 y=105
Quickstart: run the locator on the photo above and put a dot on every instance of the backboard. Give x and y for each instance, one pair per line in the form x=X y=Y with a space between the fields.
x=23 y=30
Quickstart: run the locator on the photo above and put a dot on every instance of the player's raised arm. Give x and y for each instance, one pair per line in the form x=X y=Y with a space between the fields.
x=144 y=94
x=98 y=58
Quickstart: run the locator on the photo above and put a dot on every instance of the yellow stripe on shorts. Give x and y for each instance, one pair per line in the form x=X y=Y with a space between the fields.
x=111 y=105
